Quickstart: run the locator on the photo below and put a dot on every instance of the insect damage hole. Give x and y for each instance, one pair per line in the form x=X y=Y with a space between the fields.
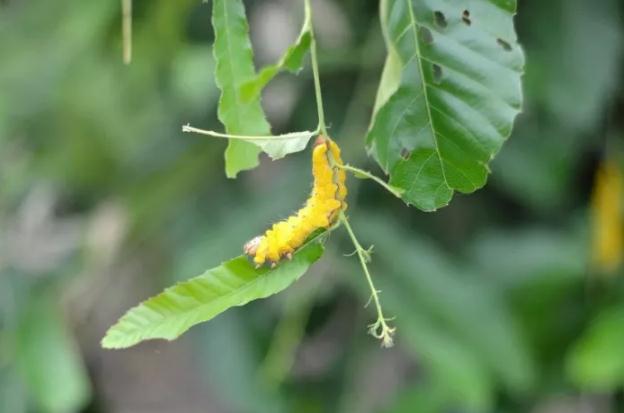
x=505 y=45
x=440 y=19
x=437 y=73
x=405 y=153
x=425 y=35
x=466 y=17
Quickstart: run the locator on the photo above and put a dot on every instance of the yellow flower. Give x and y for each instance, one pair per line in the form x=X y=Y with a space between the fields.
x=607 y=222
x=319 y=212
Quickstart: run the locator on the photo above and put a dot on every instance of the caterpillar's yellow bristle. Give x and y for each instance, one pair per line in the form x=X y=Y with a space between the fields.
x=320 y=211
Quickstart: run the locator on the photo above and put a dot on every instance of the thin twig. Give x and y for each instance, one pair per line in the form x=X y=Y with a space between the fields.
x=126 y=30
x=379 y=329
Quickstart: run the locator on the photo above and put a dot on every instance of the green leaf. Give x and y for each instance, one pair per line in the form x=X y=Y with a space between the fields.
x=234 y=67
x=449 y=93
x=233 y=283
x=595 y=362
x=282 y=145
x=292 y=60
x=276 y=146
x=240 y=109
x=49 y=359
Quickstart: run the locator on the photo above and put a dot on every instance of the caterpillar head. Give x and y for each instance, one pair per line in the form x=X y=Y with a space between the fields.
x=252 y=245
x=320 y=140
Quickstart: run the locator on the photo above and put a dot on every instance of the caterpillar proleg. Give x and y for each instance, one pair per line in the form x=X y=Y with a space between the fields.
x=319 y=212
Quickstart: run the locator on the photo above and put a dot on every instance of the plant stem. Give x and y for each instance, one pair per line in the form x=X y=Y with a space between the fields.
x=379 y=329
x=315 y=72
x=126 y=30
x=362 y=173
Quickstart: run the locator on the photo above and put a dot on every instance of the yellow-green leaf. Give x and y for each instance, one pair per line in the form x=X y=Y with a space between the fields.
x=233 y=283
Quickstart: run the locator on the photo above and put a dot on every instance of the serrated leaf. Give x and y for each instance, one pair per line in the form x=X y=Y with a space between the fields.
x=234 y=67
x=292 y=60
x=449 y=93
x=234 y=283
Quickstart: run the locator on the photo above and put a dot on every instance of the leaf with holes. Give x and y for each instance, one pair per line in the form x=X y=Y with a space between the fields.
x=233 y=283
x=449 y=93
x=234 y=67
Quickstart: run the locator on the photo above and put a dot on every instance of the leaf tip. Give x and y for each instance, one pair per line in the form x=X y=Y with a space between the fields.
x=110 y=343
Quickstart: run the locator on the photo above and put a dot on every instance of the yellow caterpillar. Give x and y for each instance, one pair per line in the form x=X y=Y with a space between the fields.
x=320 y=210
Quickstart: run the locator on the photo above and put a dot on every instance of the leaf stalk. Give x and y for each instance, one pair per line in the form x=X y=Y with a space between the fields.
x=361 y=173
x=287 y=136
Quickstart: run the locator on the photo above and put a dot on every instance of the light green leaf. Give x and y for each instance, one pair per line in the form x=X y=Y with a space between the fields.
x=233 y=283
x=234 y=67
x=292 y=60
x=595 y=362
x=49 y=359
x=276 y=146
x=449 y=93
x=279 y=146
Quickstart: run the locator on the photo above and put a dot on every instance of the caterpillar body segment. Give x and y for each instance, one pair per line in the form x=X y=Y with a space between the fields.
x=319 y=212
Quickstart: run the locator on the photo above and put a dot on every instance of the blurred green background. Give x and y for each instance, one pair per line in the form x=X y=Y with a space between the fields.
x=103 y=202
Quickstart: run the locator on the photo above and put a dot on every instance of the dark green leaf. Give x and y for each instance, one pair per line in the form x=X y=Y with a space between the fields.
x=448 y=96
x=233 y=283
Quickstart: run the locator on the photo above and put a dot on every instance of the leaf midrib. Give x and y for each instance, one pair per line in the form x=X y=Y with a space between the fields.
x=140 y=332
x=230 y=66
x=416 y=25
